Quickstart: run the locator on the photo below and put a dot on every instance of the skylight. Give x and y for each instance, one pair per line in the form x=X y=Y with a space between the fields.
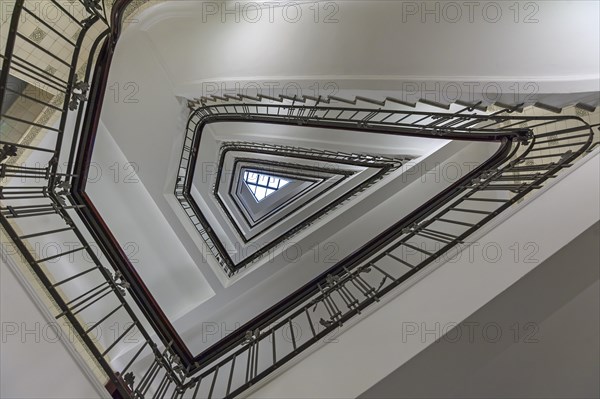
x=262 y=185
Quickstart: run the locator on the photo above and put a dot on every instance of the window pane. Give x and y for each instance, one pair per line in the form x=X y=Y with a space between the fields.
x=263 y=180
x=251 y=177
x=260 y=193
x=262 y=185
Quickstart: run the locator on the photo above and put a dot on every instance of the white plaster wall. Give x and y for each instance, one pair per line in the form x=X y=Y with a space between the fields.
x=373 y=348
x=525 y=343
x=138 y=224
x=34 y=363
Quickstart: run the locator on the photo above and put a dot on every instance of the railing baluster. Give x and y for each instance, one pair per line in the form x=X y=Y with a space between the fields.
x=197 y=388
x=374 y=266
x=163 y=383
x=91 y=296
x=40 y=20
x=31 y=123
x=91 y=269
x=57 y=4
x=397 y=259
x=34 y=44
x=152 y=377
x=230 y=379
x=43 y=72
x=26 y=71
x=147 y=377
x=106 y=293
x=249 y=362
x=45 y=104
x=471 y=211
x=212 y=385
x=61 y=254
x=274 y=349
x=432 y=237
x=416 y=248
x=485 y=199
x=310 y=323
x=166 y=388
x=9 y=48
x=455 y=222
x=440 y=234
x=119 y=339
x=43 y=233
x=554 y=147
x=577 y=136
x=29 y=147
x=292 y=333
x=134 y=357
x=104 y=319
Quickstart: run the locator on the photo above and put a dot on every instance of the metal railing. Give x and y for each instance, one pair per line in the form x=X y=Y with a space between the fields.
x=49 y=200
x=185 y=177
x=34 y=199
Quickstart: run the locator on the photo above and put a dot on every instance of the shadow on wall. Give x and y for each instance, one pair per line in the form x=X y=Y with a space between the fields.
x=539 y=338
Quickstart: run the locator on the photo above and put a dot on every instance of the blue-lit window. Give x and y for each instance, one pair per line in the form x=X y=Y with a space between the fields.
x=262 y=185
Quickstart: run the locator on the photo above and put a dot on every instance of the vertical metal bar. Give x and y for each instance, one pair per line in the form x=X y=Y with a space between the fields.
x=48 y=26
x=103 y=319
x=86 y=293
x=34 y=44
x=397 y=259
x=292 y=332
x=119 y=339
x=274 y=350
x=19 y=67
x=43 y=233
x=93 y=302
x=45 y=104
x=74 y=277
x=10 y=47
x=134 y=357
x=177 y=393
x=161 y=385
x=230 y=375
x=151 y=378
x=256 y=349
x=197 y=388
x=60 y=254
x=382 y=271
x=59 y=301
x=312 y=327
x=166 y=389
x=66 y=12
x=28 y=147
x=249 y=362
x=212 y=385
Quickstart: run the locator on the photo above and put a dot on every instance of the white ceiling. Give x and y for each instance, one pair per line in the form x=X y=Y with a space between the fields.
x=375 y=44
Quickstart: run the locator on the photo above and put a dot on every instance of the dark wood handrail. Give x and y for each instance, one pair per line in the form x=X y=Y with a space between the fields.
x=142 y=295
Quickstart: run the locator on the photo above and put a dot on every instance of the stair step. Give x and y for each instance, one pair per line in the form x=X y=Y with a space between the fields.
x=586 y=107
x=548 y=107
x=434 y=103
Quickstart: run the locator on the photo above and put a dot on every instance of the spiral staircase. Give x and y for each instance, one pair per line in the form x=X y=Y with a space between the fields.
x=536 y=143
